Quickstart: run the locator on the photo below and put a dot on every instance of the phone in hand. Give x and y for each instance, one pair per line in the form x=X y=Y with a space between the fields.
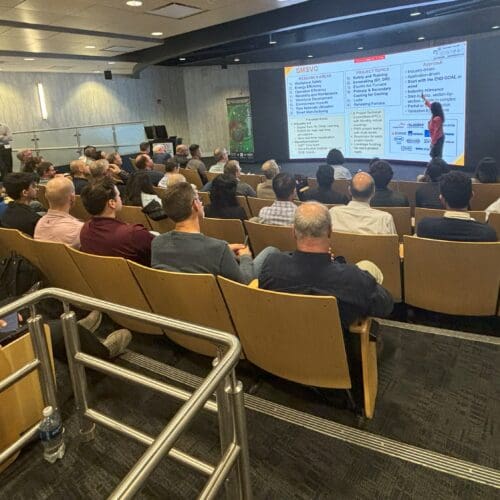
x=12 y=323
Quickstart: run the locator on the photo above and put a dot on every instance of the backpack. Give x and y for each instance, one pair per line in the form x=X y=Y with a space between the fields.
x=17 y=276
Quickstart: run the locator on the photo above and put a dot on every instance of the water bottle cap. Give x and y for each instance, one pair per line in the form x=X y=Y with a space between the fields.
x=47 y=412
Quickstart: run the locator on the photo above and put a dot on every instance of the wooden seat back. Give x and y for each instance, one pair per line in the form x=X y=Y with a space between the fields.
x=111 y=279
x=402 y=219
x=212 y=175
x=484 y=195
x=159 y=167
x=494 y=222
x=409 y=188
x=275 y=332
x=78 y=210
x=133 y=215
x=205 y=198
x=256 y=204
x=421 y=213
x=264 y=235
x=230 y=230
x=243 y=201
x=381 y=249
x=452 y=277
x=192 y=176
x=12 y=240
x=162 y=226
x=40 y=195
x=252 y=180
x=194 y=298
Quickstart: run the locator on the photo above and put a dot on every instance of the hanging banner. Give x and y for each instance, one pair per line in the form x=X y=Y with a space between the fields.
x=239 y=117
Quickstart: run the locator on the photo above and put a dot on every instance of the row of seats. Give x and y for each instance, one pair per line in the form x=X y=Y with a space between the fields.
x=274 y=328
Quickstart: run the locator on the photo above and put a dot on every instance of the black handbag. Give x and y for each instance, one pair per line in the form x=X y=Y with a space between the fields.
x=154 y=211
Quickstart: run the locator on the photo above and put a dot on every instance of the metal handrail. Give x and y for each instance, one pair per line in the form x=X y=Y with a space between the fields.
x=79 y=148
x=221 y=379
x=75 y=127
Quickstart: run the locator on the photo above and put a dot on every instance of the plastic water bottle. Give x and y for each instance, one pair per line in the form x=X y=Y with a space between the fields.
x=51 y=435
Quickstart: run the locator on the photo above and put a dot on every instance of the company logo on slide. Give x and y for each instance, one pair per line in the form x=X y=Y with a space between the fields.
x=369 y=58
x=307 y=69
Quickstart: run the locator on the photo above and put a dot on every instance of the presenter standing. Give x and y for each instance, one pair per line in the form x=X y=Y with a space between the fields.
x=5 y=150
x=435 y=128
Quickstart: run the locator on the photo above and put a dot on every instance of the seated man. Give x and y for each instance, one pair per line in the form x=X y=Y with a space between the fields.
x=196 y=162
x=145 y=163
x=23 y=156
x=427 y=195
x=21 y=187
x=221 y=157
x=57 y=224
x=457 y=224
x=171 y=172
x=324 y=193
x=357 y=216
x=282 y=211
x=232 y=167
x=103 y=234
x=187 y=250
x=382 y=174
x=46 y=171
x=160 y=155
x=80 y=173
x=270 y=169
x=182 y=155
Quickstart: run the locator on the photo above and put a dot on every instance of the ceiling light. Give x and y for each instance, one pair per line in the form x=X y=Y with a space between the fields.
x=420 y=38
x=182 y=58
x=310 y=55
x=360 y=47
x=271 y=41
x=90 y=46
x=157 y=33
x=41 y=99
x=111 y=62
x=415 y=14
x=97 y=71
x=495 y=27
x=29 y=58
x=134 y=3
x=236 y=59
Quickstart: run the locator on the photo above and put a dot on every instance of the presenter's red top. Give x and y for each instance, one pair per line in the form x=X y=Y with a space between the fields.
x=435 y=125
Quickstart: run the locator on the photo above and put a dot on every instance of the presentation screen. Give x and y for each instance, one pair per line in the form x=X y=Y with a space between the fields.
x=372 y=106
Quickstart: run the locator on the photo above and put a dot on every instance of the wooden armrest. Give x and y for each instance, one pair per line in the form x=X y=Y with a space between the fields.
x=401 y=251
x=254 y=283
x=361 y=326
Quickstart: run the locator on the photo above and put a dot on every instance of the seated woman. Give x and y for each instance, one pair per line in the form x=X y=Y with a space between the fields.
x=223 y=201
x=139 y=191
x=427 y=195
x=486 y=171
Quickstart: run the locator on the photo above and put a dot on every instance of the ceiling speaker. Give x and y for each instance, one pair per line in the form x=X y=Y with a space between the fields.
x=108 y=75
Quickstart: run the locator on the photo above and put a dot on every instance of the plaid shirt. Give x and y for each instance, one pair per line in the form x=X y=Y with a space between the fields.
x=280 y=213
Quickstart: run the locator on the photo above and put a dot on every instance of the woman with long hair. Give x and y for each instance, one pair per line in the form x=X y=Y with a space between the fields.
x=435 y=125
x=223 y=201
x=139 y=191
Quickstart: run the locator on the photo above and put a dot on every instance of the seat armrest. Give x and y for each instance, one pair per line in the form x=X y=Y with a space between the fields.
x=254 y=283
x=361 y=326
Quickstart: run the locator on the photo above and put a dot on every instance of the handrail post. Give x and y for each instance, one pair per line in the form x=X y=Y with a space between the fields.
x=226 y=426
x=35 y=325
x=236 y=397
x=77 y=372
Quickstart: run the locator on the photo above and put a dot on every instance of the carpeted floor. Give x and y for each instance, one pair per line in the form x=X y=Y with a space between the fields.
x=435 y=392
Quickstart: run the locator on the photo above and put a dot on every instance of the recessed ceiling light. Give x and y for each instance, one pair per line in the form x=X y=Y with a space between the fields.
x=415 y=14
x=97 y=71
x=182 y=58
x=111 y=62
x=495 y=27
x=90 y=46
x=310 y=55
x=157 y=33
x=360 y=47
x=420 y=38
x=272 y=42
x=134 y=3
x=29 y=58
x=236 y=59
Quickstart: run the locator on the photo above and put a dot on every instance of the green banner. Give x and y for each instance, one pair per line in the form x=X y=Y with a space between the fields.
x=239 y=117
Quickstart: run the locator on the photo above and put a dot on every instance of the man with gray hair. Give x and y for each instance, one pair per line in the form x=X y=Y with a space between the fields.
x=221 y=157
x=270 y=169
x=358 y=216
x=312 y=270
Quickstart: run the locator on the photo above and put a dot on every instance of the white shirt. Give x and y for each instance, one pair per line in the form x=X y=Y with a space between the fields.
x=148 y=198
x=218 y=168
x=359 y=217
x=494 y=207
x=341 y=172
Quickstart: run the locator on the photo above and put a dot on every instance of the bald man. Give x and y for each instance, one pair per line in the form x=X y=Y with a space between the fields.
x=58 y=225
x=357 y=216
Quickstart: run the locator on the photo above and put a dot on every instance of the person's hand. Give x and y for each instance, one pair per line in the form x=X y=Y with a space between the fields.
x=244 y=251
x=3 y=323
x=236 y=247
x=115 y=169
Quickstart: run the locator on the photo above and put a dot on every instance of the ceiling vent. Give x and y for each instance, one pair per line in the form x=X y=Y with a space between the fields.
x=176 y=11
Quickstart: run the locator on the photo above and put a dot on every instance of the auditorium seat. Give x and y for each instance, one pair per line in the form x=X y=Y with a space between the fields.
x=484 y=195
x=452 y=277
x=111 y=279
x=159 y=167
x=420 y=213
x=402 y=219
x=13 y=240
x=40 y=195
x=242 y=200
x=275 y=332
x=230 y=230
x=409 y=188
x=381 y=249
x=212 y=175
x=494 y=221
x=195 y=298
x=264 y=235
x=256 y=204
x=192 y=176
x=159 y=191
x=162 y=226
x=78 y=210
x=205 y=198
x=252 y=180
x=133 y=215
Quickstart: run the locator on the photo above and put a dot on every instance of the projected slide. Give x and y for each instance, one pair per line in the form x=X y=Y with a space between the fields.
x=371 y=106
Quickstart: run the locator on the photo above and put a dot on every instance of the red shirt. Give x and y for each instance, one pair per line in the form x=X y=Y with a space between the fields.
x=435 y=126
x=113 y=238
